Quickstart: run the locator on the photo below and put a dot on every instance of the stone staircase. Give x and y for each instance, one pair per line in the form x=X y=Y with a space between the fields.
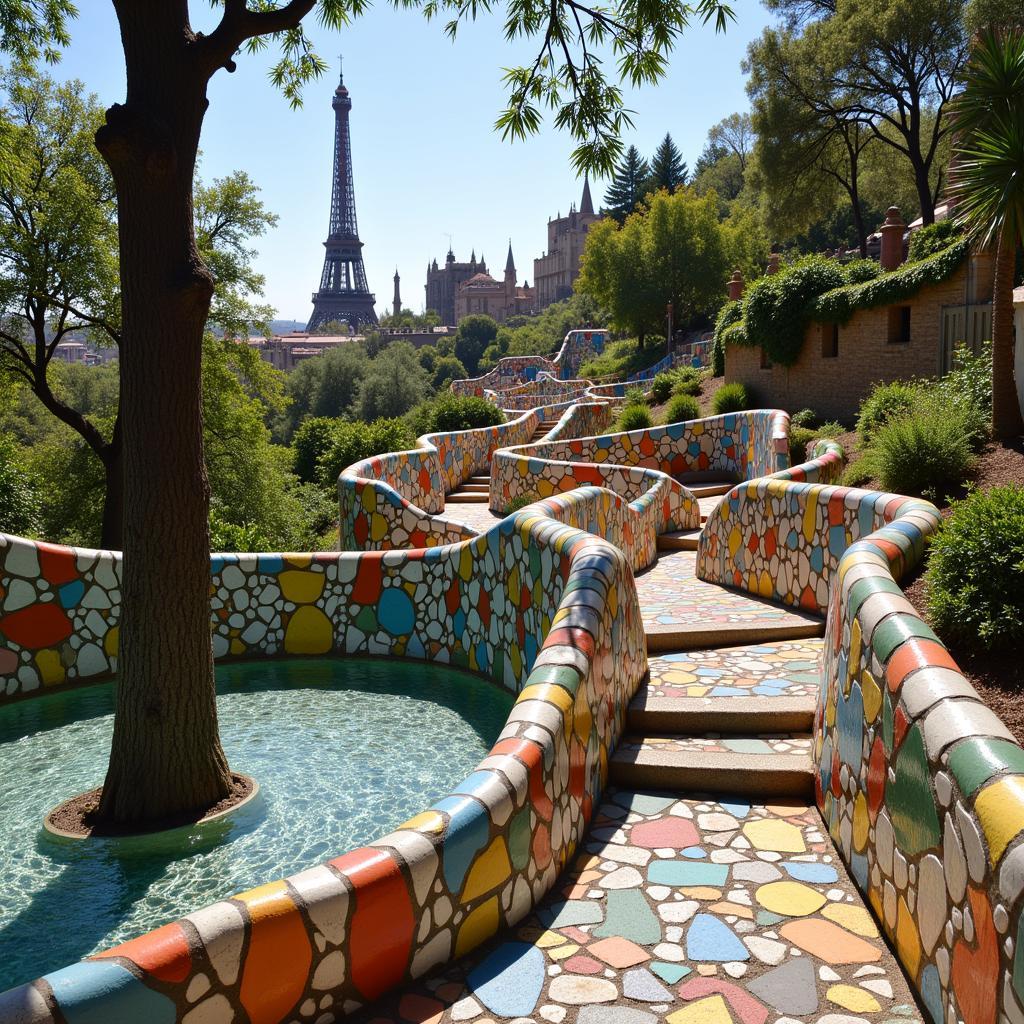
x=728 y=706
x=475 y=490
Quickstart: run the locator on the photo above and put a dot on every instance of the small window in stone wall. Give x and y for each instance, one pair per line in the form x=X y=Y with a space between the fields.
x=899 y=325
x=829 y=341
x=766 y=363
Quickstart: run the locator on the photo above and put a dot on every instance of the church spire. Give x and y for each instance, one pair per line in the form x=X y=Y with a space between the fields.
x=586 y=204
x=510 y=263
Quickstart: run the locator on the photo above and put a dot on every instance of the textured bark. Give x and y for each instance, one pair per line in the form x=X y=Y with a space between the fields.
x=166 y=758
x=1006 y=415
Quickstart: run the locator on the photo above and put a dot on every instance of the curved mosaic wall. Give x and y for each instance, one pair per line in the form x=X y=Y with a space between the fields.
x=922 y=788
x=545 y=389
x=783 y=540
x=536 y=605
x=511 y=370
x=391 y=500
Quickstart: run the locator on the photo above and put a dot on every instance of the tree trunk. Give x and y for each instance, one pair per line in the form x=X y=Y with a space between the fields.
x=165 y=758
x=1006 y=414
x=924 y=190
x=113 y=498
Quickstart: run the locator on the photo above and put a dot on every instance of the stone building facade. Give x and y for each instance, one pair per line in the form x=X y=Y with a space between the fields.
x=443 y=283
x=497 y=299
x=556 y=271
x=840 y=363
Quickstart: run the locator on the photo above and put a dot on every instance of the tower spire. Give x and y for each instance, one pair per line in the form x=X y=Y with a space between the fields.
x=586 y=203
x=398 y=296
x=344 y=294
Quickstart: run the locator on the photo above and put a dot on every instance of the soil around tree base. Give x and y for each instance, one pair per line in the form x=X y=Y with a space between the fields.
x=73 y=819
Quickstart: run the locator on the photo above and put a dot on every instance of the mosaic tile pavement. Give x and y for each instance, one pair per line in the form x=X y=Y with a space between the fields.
x=476 y=516
x=672 y=598
x=687 y=911
x=785 y=668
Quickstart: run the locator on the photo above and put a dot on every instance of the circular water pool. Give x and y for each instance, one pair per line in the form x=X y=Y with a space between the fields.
x=343 y=750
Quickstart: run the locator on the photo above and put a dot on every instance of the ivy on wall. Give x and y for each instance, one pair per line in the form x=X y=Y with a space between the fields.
x=838 y=305
x=776 y=310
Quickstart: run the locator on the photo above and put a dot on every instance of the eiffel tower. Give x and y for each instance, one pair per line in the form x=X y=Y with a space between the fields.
x=344 y=295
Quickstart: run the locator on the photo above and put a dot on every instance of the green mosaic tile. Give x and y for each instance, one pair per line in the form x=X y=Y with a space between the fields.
x=863 y=589
x=894 y=630
x=560 y=675
x=977 y=759
x=909 y=798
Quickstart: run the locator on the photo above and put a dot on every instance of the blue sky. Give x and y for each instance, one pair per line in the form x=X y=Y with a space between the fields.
x=427 y=162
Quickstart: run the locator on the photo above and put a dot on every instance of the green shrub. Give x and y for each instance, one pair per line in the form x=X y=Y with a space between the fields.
x=517 y=503
x=829 y=429
x=450 y=412
x=927 y=241
x=634 y=417
x=635 y=396
x=976 y=570
x=858 y=473
x=730 y=398
x=682 y=408
x=799 y=439
x=803 y=418
x=688 y=381
x=970 y=378
x=885 y=402
x=662 y=385
x=924 y=451
x=353 y=442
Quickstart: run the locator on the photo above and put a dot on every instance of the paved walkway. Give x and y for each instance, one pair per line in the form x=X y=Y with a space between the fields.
x=681 y=611
x=684 y=910
x=688 y=904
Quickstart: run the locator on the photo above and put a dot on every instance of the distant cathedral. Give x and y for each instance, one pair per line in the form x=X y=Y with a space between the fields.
x=344 y=294
x=496 y=299
x=556 y=271
x=443 y=283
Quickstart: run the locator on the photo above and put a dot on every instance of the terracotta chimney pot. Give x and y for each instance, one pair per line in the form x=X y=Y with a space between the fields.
x=892 y=231
x=736 y=285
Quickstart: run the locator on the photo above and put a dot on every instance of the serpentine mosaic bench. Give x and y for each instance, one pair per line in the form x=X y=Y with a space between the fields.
x=921 y=787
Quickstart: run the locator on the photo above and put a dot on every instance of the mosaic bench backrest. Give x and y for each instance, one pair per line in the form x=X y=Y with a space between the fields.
x=744 y=445
x=577 y=347
x=544 y=390
x=510 y=370
x=339 y=934
x=783 y=540
x=922 y=788
x=392 y=500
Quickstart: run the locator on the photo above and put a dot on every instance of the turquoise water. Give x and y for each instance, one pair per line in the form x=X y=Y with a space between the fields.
x=343 y=750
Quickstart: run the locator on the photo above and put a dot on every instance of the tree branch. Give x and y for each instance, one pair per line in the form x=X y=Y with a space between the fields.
x=239 y=23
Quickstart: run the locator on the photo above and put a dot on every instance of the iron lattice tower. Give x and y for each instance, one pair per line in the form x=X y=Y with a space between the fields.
x=344 y=294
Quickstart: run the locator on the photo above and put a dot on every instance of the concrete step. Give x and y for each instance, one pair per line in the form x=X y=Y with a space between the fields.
x=479 y=478
x=468 y=486
x=733 y=716
x=679 y=540
x=692 y=635
x=708 y=490
x=754 y=765
x=468 y=497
